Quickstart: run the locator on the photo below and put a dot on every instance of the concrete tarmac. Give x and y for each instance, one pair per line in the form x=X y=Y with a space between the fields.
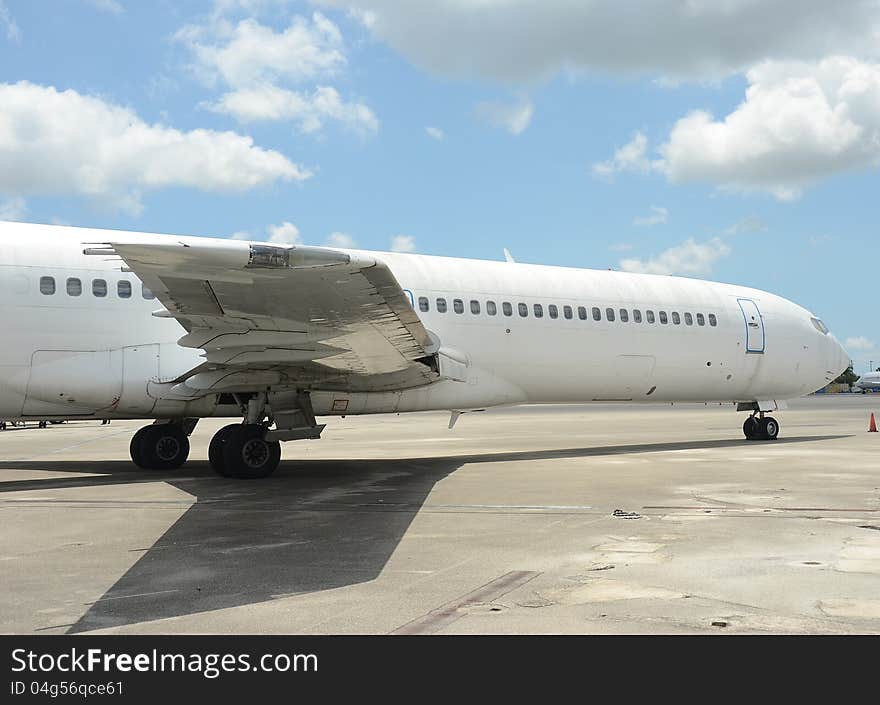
x=565 y=519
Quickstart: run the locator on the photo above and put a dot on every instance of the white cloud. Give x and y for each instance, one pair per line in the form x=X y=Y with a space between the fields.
x=111 y=6
x=858 y=343
x=7 y=23
x=514 y=118
x=658 y=216
x=61 y=142
x=515 y=40
x=261 y=67
x=749 y=224
x=308 y=111
x=338 y=239
x=403 y=243
x=689 y=258
x=248 y=52
x=631 y=157
x=285 y=234
x=13 y=208
x=798 y=123
x=435 y=133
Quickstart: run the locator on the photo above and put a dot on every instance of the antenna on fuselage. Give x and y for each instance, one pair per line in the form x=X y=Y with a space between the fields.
x=508 y=256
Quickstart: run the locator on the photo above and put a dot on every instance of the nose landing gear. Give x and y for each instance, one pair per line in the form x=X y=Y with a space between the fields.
x=758 y=427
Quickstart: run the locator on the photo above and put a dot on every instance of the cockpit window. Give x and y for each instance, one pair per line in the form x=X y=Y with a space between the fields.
x=819 y=326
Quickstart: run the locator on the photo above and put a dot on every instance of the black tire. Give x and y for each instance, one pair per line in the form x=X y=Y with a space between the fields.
x=750 y=428
x=134 y=448
x=164 y=447
x=248 y=455
x=215 y=449
x=769 y=428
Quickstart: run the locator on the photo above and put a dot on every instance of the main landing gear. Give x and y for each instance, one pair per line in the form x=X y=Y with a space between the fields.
x=247 y=450
x=238 y=450
x=241 y=450
x=758 y=427
x=162 y=446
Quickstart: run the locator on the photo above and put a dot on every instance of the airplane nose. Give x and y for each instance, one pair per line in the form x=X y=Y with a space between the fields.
x=839 y=356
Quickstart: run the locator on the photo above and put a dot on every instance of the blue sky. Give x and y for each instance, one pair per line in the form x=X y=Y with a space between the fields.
x=624 y=135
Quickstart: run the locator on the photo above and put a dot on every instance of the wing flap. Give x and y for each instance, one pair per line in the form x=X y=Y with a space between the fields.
x=307 y=310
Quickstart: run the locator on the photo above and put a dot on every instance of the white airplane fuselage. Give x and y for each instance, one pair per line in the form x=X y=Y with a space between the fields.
x=87 y=355
x=869 y=382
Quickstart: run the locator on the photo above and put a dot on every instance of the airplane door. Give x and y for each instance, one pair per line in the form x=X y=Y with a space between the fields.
x=140 y=365
x=754 y=326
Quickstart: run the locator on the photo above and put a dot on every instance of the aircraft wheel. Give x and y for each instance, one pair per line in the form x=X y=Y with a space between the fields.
x=248 y=455
x=134 y=448
x=769 y=428
x=215 y=449
x=163 y=447
x=750 y=428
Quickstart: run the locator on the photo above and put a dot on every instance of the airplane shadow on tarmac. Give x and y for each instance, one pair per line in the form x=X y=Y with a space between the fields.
x=314 y=525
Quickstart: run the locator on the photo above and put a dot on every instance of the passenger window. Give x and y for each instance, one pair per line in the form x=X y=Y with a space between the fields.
x=123 y=289
x=491 y=308
x=475 y=307
x=649 y=316
x=507 y=308
x=146 y=293
x=553 y=311
x=624 y=315
x=99 y=288
x=423 y=304
x=47 y=285
x=567 y=312
x=539 y=311
x=712 y=320
x=458 y=305
x=701 y=319
x=597 y=314
x=688 y=319
x=582 y=313
x=441 y=305
x=74 y=286
x=637 y=315
x=676 y=319
x=609 y=314
x=523 y=310
x=663 y=319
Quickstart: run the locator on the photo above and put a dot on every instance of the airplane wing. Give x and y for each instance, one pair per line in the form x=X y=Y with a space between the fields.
x=284 y=315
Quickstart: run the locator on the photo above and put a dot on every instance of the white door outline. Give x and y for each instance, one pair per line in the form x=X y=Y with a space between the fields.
x=754 y=321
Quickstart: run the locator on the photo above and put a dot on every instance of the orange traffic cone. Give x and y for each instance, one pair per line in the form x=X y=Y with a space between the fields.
x=872 y=427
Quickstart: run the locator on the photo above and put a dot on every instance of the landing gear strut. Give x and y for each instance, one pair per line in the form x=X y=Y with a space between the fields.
x=761 y=428
x=161 y=446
